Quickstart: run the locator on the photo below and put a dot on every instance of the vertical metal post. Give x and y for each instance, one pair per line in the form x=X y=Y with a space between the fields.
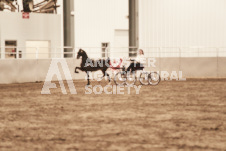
x=68 y=9
x=133 y=26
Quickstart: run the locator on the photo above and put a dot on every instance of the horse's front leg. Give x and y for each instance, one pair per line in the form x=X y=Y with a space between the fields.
x=76 y=69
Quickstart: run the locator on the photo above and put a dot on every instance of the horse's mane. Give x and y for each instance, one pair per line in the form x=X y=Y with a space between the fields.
x=85 y=54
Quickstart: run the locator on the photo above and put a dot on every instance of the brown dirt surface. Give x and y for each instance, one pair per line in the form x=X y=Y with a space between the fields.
x=174 y=115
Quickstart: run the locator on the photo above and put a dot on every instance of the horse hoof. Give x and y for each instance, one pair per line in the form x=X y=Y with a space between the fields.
x=76 y=72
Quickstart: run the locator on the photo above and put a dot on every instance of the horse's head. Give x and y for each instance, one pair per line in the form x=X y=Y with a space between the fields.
x=80 y=53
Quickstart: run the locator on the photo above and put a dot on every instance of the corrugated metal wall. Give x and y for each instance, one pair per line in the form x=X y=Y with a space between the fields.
x=97 y=20
x=93 y=18
x=182 y=23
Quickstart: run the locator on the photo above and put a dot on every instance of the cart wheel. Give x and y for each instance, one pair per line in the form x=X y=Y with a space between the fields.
x=120 y=78
x=154 y=78
x=144 y=78
x=130 y=78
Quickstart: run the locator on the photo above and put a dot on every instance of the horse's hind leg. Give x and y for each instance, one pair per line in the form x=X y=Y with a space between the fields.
x=88 y=78
x=109 y=78
x=106 y=74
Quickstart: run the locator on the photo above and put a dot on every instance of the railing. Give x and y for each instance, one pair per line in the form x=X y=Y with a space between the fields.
x=98 y=52
x=34 y=52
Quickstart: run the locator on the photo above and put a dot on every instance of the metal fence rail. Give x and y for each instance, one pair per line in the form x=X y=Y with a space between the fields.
x=114 y=52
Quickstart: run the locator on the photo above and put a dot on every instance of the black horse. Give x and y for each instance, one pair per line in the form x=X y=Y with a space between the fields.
x=89 y=65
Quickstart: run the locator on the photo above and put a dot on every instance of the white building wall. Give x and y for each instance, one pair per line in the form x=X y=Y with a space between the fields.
x=59 y=11
x=182 y=23
x=96 y=22
x=40 y=27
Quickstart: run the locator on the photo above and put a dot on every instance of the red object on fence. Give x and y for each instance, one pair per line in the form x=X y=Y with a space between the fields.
x=26 y=15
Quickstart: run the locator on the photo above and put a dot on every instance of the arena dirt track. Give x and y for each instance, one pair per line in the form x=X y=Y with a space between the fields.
x=171 y=116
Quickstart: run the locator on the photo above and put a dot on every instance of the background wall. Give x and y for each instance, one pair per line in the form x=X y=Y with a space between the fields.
x=40 y=27
x=16 y=71
x=96 y=22
x=182 y=23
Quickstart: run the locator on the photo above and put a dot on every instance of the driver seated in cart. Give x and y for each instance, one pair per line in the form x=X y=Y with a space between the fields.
x=138 y=63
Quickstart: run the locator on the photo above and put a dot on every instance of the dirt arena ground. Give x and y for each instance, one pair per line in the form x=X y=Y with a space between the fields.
x=174 y=115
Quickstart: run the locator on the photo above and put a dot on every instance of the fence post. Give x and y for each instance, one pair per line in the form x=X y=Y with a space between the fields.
x=160 y=50
x=17 y=53
x=74 y=52
x=217 y=62
x=179 y=58
x=149 y=53
x=198 y=52
x=62 y=53
x=36 y=55
x=0 y=52
x=56 y=53
x=3 y=53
